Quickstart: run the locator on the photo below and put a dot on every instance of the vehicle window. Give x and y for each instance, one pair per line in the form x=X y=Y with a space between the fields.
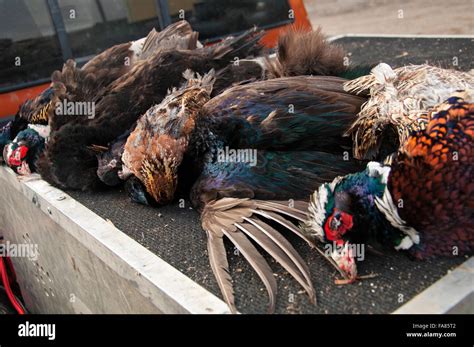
x=29 y=49
x=95 y=25
x=215 y=18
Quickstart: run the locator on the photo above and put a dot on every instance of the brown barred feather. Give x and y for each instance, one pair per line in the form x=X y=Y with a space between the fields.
x=399 y=99
x=155 y=149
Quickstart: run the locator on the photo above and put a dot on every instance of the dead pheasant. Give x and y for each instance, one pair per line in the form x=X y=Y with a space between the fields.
x=178 y=146
x=69 y=161
x=155 y=149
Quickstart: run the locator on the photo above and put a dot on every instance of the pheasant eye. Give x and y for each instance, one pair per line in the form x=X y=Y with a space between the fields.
x=335 y=222
x=337 y=225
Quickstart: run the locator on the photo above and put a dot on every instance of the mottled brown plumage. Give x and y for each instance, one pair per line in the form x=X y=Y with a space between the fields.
x=155 y=149
x=37 y=110
x=69 y=163
x=399 y=101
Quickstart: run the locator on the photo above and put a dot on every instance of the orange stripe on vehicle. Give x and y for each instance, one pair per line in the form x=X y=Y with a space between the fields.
x=11 y=101
x=301 y=22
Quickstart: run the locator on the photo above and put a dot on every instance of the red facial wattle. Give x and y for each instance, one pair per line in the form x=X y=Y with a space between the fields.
x=17 y=156
x=345 y=224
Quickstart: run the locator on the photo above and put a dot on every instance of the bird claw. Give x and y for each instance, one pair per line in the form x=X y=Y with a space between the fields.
x=344 y=281
x=353 y=279
x=24 y=170
x=367 y=277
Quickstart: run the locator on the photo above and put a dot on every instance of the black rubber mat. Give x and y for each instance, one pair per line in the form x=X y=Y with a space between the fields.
x=449 y=53
x=174 y=233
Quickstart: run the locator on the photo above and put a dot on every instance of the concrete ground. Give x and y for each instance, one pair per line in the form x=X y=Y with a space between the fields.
x=436 y=17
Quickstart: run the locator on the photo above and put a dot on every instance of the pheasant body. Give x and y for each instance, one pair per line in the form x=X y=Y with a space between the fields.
x=68 y=161
x=301 y=112
x=155 y=148
x=294 y=128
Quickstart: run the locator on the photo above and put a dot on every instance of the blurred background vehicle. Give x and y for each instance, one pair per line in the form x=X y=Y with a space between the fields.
x=38 y=36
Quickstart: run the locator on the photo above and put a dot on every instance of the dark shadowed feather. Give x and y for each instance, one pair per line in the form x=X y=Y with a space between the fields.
x=110 y=160
x=307 y=53
x=301 y=112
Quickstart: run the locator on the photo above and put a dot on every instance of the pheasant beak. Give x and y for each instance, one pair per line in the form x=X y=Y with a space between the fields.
x=136 y=191
x=344 y=256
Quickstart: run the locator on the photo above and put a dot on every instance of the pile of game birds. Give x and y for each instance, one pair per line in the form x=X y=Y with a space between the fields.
x=261 y=143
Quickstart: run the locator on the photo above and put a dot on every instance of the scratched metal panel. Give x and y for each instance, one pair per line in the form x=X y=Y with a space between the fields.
x=84 y=264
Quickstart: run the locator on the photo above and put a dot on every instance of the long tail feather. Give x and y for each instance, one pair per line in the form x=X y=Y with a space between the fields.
x=243 y=220
x=241 y=46
x=257 y=262
x=280 y=208
x=220 y=267
x=279 y=248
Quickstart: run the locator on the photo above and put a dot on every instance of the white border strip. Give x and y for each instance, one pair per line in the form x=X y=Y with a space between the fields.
x=149 y=271
x=409 y=36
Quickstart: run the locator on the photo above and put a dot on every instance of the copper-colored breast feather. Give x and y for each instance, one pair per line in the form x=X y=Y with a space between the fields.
x=433 y=178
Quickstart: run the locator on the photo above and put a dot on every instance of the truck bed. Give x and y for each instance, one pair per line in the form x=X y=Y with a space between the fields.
x=174 y=234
